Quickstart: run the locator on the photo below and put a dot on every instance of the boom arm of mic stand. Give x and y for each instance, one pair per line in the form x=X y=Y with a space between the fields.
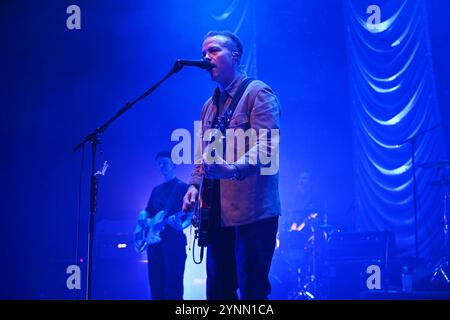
x=419 y=134
x=93 y=135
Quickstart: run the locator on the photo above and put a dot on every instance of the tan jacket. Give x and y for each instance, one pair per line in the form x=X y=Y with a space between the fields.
x=255 y=196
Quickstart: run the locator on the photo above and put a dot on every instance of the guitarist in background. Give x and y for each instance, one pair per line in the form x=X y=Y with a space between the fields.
x=166 y=259
x=246 y=204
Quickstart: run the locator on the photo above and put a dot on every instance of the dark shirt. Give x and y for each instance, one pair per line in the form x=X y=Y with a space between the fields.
x=168 y=196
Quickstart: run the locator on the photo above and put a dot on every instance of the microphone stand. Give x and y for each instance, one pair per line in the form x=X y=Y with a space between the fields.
x=93 y=139
x=412 y=140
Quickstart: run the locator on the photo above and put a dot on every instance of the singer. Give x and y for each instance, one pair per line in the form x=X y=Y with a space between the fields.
x=246 y=204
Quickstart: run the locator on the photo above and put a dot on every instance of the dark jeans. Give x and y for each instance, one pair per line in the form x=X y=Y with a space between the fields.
x=240 y=257
x=166 y=265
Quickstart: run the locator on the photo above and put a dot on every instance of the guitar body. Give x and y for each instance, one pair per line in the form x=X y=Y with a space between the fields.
x=203 y=212
x=155 y=225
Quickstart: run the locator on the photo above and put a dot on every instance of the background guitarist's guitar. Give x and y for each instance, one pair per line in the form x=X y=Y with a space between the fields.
x=148 y=229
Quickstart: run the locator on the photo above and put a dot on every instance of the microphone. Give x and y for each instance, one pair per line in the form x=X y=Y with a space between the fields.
x=203 y=64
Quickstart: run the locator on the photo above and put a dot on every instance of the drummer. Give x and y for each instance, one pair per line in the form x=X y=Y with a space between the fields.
x=305 y=202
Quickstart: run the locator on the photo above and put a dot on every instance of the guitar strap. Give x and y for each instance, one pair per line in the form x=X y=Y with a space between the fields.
x=221 y=123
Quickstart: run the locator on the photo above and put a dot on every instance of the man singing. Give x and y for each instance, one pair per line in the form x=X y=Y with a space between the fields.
x=246 y=202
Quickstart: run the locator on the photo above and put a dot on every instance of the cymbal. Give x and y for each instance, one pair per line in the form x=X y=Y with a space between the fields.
x=326 y=226
x=439 y=183
x=436 y=164
x=305 y=210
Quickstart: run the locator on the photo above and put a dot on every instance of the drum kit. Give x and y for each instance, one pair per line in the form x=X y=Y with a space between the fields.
x=441 y=272
x=443 y=182
x=302 y=245
x=301 y=248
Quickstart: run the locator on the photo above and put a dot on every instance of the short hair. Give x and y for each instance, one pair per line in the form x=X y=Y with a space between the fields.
x=164 y=154
x=236 y=44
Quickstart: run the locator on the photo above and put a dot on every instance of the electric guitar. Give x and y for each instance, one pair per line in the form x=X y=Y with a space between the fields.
x=202 y=212
x=148 y=229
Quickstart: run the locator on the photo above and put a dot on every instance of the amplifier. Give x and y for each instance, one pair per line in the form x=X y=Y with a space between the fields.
x=361 y=246
x=347 y=260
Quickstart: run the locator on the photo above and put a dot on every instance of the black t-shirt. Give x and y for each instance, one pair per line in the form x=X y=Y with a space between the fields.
x=173 y=191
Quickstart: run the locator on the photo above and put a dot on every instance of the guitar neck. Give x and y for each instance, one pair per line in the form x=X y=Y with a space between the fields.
x=165 y=221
